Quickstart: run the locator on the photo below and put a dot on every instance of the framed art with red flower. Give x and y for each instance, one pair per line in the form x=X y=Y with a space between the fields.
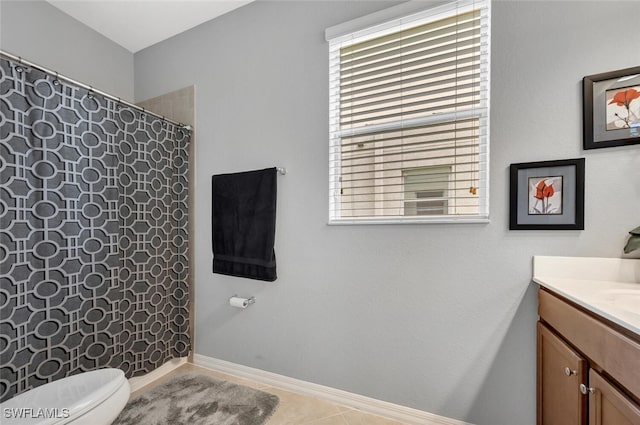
x=611 y=108
x=547 y=195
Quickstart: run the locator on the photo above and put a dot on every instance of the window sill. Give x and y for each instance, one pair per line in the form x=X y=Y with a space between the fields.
x=409 y=220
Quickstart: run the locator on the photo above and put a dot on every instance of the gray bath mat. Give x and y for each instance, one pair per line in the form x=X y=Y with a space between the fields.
x=193 y=399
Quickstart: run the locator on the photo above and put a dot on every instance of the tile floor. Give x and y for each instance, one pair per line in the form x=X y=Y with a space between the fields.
x=294 y=409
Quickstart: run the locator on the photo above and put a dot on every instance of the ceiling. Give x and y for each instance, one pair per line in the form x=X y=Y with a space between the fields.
x=136 y=24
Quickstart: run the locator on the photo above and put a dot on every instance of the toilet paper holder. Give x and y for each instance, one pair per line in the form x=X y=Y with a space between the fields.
x=250 y=301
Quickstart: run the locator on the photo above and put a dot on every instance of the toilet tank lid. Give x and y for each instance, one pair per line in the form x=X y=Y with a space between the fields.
x=60 y=401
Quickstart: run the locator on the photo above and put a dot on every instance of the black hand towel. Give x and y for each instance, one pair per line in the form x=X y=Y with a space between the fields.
x=244 y=224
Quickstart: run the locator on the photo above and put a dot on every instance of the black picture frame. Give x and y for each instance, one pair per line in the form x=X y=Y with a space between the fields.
x=604 y=120
x=560 y=183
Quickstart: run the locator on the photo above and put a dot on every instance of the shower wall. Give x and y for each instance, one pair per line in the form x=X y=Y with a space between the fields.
x=93 y=234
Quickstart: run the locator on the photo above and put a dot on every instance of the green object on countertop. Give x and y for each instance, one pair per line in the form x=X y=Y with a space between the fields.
x=634 y=241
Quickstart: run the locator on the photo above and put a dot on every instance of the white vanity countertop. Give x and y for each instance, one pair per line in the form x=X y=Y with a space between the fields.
x=608 y=287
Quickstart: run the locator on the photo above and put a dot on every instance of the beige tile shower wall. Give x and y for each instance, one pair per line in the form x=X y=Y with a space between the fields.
x=180 y=106
x=177 y=105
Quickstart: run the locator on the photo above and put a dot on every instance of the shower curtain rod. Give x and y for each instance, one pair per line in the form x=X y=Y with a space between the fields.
x=90 y=88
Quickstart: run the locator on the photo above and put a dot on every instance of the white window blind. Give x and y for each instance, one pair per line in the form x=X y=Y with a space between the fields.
x=408 y=97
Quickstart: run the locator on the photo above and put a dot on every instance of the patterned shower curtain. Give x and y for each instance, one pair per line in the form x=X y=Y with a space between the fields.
x=93 y=233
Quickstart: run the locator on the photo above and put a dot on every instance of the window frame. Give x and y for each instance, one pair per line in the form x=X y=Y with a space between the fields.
x=406 y=15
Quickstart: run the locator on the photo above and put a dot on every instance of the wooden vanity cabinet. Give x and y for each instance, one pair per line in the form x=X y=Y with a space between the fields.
x=588 y=372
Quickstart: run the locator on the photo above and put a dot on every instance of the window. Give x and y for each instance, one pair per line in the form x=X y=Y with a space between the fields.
x=409 y=117
x=426 y=191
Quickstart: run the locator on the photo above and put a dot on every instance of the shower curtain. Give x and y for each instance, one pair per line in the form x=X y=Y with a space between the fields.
x=93 y=233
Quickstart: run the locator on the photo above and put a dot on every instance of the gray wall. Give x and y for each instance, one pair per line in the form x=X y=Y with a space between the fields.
x=436 y=317
x=42 y=34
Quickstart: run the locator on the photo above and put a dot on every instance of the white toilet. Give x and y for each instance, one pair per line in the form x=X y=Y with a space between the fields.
x=90 y=398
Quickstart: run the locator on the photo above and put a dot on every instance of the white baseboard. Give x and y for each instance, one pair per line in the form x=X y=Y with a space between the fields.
x=366 y=404
x=138 y=382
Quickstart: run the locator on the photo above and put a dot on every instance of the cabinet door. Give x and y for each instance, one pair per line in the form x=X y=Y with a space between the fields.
x=560 y=373
x=607 y=406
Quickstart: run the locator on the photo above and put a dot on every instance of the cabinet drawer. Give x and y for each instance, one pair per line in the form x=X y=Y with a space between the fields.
x=611 y=350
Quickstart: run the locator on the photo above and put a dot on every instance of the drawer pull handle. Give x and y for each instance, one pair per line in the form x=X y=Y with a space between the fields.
x=586 y=390
x=569 y=372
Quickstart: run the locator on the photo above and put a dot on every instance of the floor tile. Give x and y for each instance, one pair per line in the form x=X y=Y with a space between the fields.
x=343 y=409
x=331 y=420
x=294 y=408
x=297 y=409
x=356 y=417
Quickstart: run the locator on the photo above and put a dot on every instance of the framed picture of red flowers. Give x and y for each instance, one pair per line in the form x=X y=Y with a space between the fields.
x=611 y=108
x=547 y=195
